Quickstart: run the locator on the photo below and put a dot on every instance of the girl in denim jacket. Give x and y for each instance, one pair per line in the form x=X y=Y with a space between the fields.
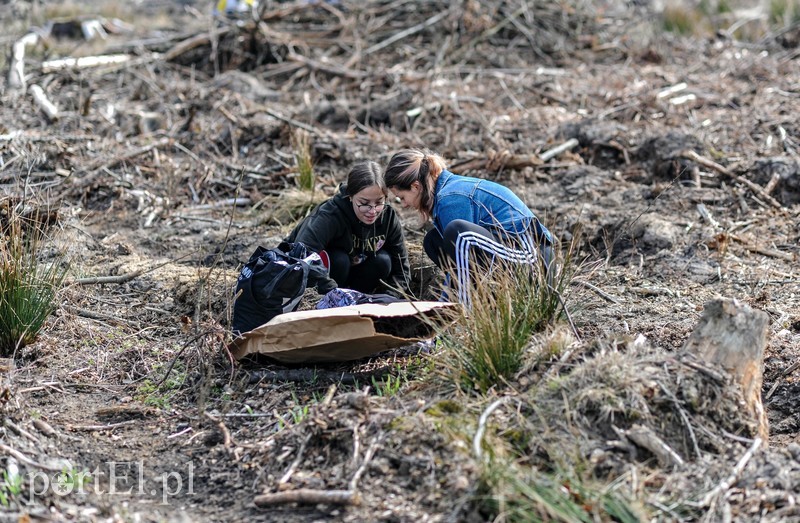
x=475 y=221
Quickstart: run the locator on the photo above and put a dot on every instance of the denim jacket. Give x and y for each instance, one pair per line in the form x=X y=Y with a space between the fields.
x=484 y=203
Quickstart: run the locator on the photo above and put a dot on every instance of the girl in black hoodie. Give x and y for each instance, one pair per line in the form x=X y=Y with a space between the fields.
x=358 y=235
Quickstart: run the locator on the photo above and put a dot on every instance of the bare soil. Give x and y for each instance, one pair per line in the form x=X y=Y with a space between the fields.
x=179 y=163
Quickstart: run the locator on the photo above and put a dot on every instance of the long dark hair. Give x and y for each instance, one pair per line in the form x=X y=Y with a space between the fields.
x=363 y=175
x=414 y=165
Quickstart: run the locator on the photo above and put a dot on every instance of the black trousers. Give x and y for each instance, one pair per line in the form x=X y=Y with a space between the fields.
x=363 y=277
x=466 y=246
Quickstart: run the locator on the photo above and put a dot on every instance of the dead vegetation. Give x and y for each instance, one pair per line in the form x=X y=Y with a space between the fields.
x=171 y=160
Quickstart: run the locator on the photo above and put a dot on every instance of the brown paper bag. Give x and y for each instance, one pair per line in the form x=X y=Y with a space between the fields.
x=342 y=333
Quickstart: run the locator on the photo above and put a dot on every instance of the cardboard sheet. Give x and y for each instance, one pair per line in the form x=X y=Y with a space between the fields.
x=342 y=333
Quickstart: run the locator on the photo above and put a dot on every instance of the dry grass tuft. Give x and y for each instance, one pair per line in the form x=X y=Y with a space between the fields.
x=289 y=206
x=301 y=143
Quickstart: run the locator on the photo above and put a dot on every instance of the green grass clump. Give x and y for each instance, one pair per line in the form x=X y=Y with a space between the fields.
x=517 y=495
x=388 y=386
x=161 y=395
x=28 y=284
x=507 y=307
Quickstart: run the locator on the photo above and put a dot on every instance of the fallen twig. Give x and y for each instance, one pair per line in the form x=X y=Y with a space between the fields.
x=406 y=32
x=566 y=311
x=327 y=67
x=728 y=482
x=308 y=497
x=705 y=162
x=107 y=164
x=645 y=437
x=186 y=344
x=600 y=292
x=477 y=441
x=466 y=49
x=684 y=417
x=288 y=475
x=22 y=432
x=296 y=461
x=555 y=151
x=367 y=458
x=789 y=370
x=292 y=121
x=84 y=313
x=226 y=434
x=47 y=107
x=191 y=43
x=314 y=375
x=28 y=461
x=772 y=253
x=120 y=278
x=711 y=373
x=125 y=410
x=16 y=73
x=85 y=62
x=94 y=428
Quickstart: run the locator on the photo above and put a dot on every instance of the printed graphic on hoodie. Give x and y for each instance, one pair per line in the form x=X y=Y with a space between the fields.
x=372 y=244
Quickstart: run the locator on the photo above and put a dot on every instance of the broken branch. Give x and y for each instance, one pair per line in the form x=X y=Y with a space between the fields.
x=646 y=438
x=16 y=73
x=84 y=62
x=95 y=280
x=191 y=43
x=705 y=162
x=555 y=151
x=47 y=107
x=28 y=461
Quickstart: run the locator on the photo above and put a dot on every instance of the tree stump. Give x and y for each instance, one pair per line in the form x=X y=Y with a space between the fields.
x=733 y=336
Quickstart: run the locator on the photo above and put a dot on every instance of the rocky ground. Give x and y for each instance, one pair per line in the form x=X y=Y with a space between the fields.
x=168 y=169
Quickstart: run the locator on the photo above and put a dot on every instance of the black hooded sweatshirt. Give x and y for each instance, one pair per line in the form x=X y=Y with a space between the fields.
x=334 y=225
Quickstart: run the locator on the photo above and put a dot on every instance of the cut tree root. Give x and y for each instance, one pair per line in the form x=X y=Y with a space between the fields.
x=732 y=336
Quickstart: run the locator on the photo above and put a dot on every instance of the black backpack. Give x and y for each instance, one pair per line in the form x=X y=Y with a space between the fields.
x=273 y=282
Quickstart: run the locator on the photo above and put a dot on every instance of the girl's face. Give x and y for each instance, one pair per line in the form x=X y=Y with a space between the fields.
x=368 y=203
x=410 y=197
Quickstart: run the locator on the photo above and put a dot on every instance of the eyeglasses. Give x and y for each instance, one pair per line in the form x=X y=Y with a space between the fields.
x=367 y=207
